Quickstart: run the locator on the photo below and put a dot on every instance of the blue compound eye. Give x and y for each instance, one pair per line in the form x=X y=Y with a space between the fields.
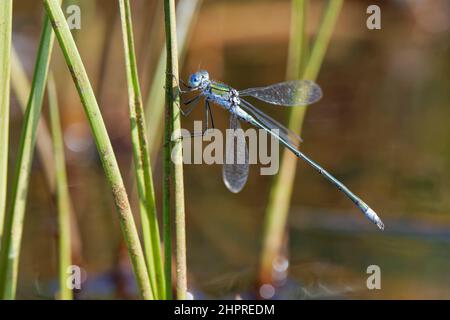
x=194 y=80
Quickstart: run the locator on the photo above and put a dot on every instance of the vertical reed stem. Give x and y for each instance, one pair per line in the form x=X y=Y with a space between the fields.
x=5 y=70
x=173 y=125
x=187 y=11
x=142 y=158
x=103 y=143
x=280 y=194
x=167 y=233
x=62 y=193
x=20 y=85
x=11 y=242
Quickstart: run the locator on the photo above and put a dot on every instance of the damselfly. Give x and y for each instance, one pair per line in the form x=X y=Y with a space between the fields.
x=290 y=93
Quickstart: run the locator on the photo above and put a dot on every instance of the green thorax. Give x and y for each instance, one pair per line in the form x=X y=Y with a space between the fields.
x=220 y=89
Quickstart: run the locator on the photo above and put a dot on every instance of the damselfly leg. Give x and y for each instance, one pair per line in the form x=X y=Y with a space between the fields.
x=207 y=116
x=188 y=87
x=192 y=102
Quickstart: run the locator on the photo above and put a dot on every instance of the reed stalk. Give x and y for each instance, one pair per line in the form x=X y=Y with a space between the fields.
x=299 y=66
x=142 y=163
x=104 y=146
x=173 y=125
x=21 y=87
x=167 y=233
x=10 y=250
x=62 y=193
x=5 y=70
x=187 y=12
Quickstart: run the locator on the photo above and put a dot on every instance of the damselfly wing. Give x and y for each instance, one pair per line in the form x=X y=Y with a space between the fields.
x=236 y=165
x=290 y=93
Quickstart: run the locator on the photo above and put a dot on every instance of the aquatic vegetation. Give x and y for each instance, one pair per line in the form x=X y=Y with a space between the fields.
x=104 y=146
x=10 y=246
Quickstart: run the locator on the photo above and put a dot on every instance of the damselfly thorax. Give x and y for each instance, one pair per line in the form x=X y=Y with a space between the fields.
x=226 y=97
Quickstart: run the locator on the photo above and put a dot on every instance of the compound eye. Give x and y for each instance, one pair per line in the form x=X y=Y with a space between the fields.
x=195 y=80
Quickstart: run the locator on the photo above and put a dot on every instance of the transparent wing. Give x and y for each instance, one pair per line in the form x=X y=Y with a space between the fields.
x=270 y=123
x=289 y=93
x=236 y=166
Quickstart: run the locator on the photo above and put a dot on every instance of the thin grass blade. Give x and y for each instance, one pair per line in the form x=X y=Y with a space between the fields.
x=141 y=157
x=303 y=67
x=173 y=124
x=5 y=69
x=9 y=255
x=187 y=11
x=62 y=193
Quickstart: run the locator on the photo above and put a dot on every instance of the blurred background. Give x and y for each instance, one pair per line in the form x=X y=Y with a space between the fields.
x=381 y=128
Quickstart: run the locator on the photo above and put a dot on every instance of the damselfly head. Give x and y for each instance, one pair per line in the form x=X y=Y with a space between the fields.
x=198 y=79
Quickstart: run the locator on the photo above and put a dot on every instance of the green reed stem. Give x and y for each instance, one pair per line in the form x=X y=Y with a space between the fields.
x=167 y=234
x=104 y=146
x=21 y=87
x=173 y=125
x=298 y=42
x=142 y=161
x=299 y=66
x=187 y=12
x=323 y=38
x=62 y=193
x=5 y=69
x=9 y=255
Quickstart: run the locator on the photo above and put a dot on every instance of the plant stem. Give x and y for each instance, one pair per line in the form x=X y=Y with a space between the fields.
x=187 y=11
x=323 y=38
x=21 y=87
x=281 y=191
x=298 y=42
x=167 y=234
x=5 y=70
x=62 y=193
x=173 y=123
x=142 y=161
x=9 y=255
x=103 y=143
